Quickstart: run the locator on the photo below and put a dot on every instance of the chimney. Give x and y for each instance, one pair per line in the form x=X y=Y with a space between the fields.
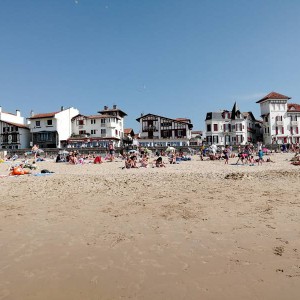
x=62 y=108
x=18 y=113
x=31 y=113
x=114 y=106
x=105 y=107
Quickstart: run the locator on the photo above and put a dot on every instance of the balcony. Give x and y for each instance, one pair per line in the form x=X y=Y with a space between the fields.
x=110 y=125
x=279 y=123
x=294 y=123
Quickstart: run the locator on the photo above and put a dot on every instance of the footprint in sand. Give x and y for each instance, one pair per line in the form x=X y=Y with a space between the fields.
x=278 y=250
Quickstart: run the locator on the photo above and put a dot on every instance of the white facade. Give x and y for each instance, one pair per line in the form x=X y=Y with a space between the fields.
x=50 y=130
x=14 y=118
x=161 y=131
x=231 y=128
x=14 y=132
x=281 y=121
x=98 y=130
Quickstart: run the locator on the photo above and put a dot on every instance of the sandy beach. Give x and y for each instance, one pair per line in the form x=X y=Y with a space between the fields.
x=194 y=230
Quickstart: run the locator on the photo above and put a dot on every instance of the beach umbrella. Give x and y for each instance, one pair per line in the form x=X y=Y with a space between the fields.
x=169 y=149
x=63 y=152
x=265 y=150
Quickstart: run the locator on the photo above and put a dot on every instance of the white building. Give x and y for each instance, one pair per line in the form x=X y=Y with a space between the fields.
x=161 y=131
x=51 y=130
x=14 y=132
x=98 y=130
x=281 y=120
x=232 y=127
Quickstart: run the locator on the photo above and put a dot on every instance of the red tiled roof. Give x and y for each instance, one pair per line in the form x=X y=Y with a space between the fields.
x=197 y=132
x=273 y=95
x=17 y=124
x=293 y=107
x=183 y=120
x=46 y=115
x=127 y=130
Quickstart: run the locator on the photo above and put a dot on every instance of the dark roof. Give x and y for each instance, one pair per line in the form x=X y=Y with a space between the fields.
x=274 y=95
x=108 y=110
x=179 y=120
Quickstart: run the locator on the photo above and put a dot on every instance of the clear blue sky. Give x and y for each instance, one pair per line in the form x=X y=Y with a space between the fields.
x=176 y=58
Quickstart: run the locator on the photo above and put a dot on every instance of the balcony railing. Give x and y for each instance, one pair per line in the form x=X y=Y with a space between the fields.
x=294 y=123
x=280 y=123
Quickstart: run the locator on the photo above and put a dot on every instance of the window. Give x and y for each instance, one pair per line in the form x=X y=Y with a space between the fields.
x=276 y=130
x=282 y=130
x=93 y=131
x=291 y=130
x=215 y=139
x=82 y=132
x=116 y=132
x=102 y=121
x=44 y=137
x=208 y=127
x=180 y=133
x=80 y=122
x=103 y=131
x=93 y=121
x=38 y=123
x=215 y=127
x=49 y=122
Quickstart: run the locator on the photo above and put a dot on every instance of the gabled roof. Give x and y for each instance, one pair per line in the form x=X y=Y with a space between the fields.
x=128 y=130
x=293 y=107
x=45 y=115
x=179 y=120
x=185 y=120
x=274 y=95
x=94 y=117
x=16 y=124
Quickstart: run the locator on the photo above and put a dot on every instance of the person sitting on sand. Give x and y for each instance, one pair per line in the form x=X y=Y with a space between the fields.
x=172 y=158
x=159 y=162
x=98 y=160
x=144 y=161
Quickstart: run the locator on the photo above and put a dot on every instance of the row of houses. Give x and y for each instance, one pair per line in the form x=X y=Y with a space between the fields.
x=68 y=128
x=279 y=123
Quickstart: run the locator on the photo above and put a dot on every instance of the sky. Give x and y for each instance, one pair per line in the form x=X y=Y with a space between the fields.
x=174 y=58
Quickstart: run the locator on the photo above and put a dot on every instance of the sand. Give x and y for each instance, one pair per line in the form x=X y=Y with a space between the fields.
x=195 y=230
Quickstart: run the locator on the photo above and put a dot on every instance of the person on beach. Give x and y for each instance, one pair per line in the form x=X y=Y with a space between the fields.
x=34 y=150
x=159 y=162
x=260 y=157
x=226 y=153
x=111 y=149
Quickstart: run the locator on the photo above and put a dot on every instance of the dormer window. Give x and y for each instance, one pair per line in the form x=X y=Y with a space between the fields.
x=38 y=123
x=49 y=122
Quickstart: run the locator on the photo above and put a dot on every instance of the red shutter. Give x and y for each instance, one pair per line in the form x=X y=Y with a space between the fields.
x=282 y=130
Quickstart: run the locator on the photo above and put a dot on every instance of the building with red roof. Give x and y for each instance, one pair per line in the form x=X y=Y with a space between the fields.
x=281 y=120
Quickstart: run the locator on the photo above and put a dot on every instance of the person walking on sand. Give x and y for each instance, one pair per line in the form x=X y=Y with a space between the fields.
x=226 y=154
x=34 y=150
x=260 y=157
